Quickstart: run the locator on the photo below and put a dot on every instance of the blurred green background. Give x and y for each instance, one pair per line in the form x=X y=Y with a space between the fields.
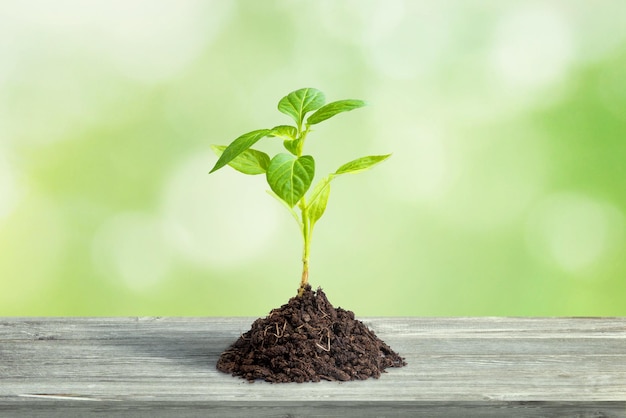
x=506 y=193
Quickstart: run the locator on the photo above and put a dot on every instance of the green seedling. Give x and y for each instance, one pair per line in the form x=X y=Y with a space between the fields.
x=290 y=175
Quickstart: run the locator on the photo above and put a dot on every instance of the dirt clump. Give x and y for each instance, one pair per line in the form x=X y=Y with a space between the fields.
x=308 y=339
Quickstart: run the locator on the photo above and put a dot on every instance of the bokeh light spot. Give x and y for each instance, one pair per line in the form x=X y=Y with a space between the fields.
x=424 y=167
x=533 y=47
x=496 y=180
x=220 y=220
x=131 y=247
x=574 y=232
x=147 y=40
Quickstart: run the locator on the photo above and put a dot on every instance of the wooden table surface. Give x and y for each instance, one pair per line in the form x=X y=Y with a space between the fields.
x=531 y=367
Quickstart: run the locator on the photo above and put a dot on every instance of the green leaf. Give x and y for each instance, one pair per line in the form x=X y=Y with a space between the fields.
x=238 y=146
x=289 y=134
x=361 y=164
x=290 y=177
x=293 y=146
x=331 y=109
x=250 y=161
x=298 y=103
x=319 y=199
x=286 y=132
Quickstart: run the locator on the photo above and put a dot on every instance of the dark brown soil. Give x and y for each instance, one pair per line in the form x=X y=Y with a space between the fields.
x=308 y=339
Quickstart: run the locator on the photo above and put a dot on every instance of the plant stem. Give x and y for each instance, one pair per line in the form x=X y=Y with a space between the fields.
x=302 y=137
x=306 y=224
x=306 y=235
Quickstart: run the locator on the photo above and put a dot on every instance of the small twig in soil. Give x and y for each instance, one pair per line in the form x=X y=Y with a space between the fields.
x=324 y=314
x=280 y=333
x=327 y=339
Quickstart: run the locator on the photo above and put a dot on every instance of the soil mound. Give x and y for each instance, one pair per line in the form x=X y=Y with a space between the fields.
x=308 y=339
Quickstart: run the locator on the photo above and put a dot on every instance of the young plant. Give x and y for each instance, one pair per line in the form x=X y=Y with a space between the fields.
x=290 y=175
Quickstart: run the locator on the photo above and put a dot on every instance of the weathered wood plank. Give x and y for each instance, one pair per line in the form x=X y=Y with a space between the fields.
x=530 y=366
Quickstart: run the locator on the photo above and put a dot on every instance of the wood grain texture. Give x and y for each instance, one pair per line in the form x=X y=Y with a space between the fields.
x=456 y=367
